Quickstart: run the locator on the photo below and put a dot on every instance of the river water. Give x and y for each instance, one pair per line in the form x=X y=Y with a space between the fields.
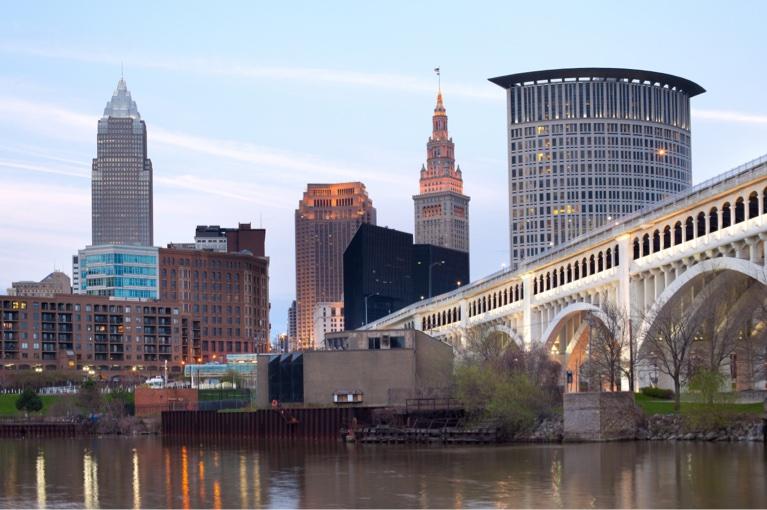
x=156 y=473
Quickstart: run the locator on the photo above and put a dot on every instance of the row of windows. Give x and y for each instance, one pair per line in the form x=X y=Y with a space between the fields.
x=574 y=271
x=598 y=99
x=119 y=258
x=700 y=225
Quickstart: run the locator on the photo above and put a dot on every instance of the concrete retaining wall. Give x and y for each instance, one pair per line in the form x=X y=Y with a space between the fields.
x=600 y=416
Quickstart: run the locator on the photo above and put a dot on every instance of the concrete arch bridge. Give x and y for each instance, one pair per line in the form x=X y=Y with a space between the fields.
x=666 y=255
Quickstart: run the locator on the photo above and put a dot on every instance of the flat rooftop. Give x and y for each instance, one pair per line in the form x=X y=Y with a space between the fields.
x=599 y=73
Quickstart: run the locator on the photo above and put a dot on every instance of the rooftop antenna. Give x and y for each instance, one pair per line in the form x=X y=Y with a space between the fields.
x=122 y=75
x=439 y=79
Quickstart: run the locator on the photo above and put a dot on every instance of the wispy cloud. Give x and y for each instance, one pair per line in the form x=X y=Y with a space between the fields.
x=728 y=116
x=222 y=67
x=30 y=167
x=303 y=167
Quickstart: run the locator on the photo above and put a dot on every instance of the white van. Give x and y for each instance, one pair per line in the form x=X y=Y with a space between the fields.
x=156 y=382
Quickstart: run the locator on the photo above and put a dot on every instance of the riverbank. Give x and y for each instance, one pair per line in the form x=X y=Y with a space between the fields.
x=660 y=427
x=40 y=426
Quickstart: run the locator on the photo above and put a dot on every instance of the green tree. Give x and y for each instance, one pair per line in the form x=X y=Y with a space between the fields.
x=706 y=387
x=29 y=401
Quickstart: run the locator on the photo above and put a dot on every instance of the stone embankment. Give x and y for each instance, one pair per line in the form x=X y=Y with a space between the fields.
x=126 y=425
x=548 y=430
x=660 y=427
x=671 y=427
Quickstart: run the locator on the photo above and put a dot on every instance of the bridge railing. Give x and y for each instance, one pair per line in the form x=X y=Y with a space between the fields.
x=740 y=174
x=737 y=175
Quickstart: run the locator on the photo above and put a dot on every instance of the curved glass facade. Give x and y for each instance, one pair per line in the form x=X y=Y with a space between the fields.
x=585 y=151
x=118 y=271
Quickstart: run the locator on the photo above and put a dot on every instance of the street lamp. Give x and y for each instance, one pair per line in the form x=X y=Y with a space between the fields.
x=431 y=266
x=365 y=298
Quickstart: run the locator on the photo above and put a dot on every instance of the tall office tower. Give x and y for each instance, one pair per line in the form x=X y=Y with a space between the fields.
x=326 y=219
x=441 y=208
x=292 y=335
x=588 y=145
x=121 y=187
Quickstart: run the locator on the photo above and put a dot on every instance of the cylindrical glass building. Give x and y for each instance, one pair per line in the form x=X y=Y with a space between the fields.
x=588 y=145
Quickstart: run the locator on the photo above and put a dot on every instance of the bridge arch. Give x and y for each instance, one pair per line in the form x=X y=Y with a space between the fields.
x=744 y=267
x=508 y=331
x=564 y=313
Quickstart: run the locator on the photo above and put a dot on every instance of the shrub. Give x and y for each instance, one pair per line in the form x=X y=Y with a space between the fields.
x=659 y=393
x=89 y=397
x=511 y=400
x=121 y=402
x=29 y=401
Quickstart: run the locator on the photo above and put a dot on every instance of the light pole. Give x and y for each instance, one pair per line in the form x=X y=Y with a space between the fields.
x=431 y=266
x=365 y=297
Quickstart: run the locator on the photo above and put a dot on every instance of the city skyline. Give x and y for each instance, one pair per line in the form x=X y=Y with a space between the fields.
x=230 y=161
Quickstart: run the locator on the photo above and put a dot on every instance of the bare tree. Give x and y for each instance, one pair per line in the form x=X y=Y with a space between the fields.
x=485 y=344
x=668 y=343
x=751 y=344
x=725 y=307
x=609 y=342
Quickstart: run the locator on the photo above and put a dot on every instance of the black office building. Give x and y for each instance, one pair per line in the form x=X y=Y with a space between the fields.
x=437 y=270
x=384 y=272
x=377 y=274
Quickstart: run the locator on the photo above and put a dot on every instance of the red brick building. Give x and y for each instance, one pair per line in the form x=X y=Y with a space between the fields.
x=226 y=295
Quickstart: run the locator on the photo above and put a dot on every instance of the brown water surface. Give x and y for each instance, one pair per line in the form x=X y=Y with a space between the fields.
x=157 y=473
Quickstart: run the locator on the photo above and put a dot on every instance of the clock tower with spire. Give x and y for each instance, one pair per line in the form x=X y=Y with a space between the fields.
x=441 y=208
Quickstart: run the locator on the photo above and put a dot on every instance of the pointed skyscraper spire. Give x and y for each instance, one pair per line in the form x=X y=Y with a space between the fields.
x=441 y=208
x=121 y=104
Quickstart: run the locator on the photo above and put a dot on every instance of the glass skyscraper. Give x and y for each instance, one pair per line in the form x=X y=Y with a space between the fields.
x=588 y=145
x=121 y=186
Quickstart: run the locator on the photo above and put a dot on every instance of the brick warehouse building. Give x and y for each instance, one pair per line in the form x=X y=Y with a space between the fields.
x=225 y=294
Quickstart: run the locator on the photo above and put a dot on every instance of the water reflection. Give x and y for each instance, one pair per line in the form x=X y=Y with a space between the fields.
x=136 y=482
x=184 y=478
x=150 y=472
x=90 y=480
x=40 y=478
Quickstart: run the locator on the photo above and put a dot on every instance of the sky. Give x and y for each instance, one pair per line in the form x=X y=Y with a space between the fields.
x=245 y=103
